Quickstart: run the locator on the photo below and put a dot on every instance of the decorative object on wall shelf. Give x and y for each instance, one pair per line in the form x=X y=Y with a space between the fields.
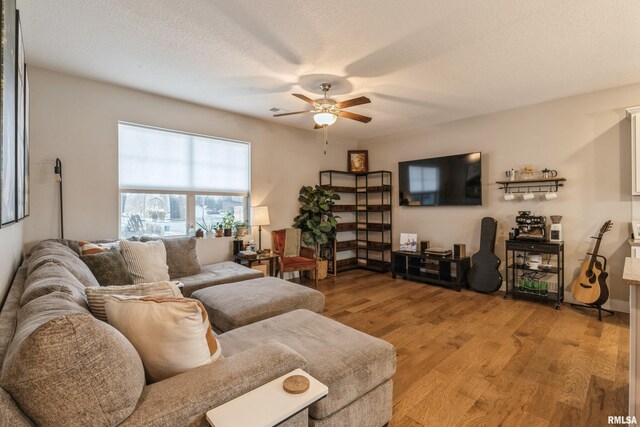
x=540 y=185
x=358 y=161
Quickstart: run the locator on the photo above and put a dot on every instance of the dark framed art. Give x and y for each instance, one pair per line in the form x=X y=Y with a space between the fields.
x=358 y=161
x=27 y=173
x=20 y=110
x=8 y=211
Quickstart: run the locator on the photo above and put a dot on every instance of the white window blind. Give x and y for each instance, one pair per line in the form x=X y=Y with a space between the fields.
x=155 y=159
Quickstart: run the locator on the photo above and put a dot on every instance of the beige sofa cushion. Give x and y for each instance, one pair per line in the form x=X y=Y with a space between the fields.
x=349 y=362
x=147 y=262
x=66 y=368
x=52 y=277
x=171 y=335
x=218 y=274
x=96 y=295
x=51 y=251
x=182 y=257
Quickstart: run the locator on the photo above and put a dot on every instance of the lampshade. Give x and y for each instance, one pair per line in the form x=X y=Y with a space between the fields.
x=325 y=119
x=260 y=215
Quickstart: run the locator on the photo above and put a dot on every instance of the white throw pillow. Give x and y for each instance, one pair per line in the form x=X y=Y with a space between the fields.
x=171 y=335
x=95 y=294
x=146 y=261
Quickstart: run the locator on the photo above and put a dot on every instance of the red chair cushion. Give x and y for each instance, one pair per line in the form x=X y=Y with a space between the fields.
x=298 y=262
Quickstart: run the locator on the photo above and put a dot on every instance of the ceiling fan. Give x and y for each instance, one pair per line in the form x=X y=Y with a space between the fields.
x=326 y=110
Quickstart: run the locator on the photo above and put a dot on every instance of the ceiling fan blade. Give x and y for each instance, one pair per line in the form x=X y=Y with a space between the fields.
x=295 y=112
x=353 y=116
x=317 y=126
x=305 y=99
x=353 y=102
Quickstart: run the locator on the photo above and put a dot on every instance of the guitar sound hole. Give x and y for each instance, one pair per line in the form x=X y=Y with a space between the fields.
x=592 y=279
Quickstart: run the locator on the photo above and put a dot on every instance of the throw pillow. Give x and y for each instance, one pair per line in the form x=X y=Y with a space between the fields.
x=92 y=248
x=182 y=257
x=147 y=262
x=108 y=268
x=96 y=295
x=171 y=335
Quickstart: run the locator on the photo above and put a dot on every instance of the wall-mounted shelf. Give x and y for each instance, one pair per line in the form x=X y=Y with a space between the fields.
x=541 y=185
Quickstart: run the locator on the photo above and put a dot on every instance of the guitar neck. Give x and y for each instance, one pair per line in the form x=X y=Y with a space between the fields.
x=594 y=254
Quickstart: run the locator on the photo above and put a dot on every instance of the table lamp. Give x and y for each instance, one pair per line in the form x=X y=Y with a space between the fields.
x=260 y=217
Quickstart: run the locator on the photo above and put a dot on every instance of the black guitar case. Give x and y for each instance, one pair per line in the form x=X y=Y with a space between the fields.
x=484 y=275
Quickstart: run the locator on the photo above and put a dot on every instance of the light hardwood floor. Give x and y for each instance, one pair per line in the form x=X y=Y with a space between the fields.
x=473 y=359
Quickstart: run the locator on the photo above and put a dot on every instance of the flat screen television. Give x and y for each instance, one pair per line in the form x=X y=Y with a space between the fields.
x=441 y=181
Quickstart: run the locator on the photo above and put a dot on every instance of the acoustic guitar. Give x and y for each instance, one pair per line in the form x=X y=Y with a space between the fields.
x=590 y=287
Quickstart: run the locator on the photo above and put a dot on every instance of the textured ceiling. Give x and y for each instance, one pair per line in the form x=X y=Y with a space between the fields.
x=421 y=62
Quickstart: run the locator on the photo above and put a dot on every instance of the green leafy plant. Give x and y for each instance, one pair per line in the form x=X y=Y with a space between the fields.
x=204 y=226
x=227 y=220
x=316 y=220
x=240 y=228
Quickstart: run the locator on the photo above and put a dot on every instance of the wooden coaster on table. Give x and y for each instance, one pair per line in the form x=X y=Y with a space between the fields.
x=296 y=384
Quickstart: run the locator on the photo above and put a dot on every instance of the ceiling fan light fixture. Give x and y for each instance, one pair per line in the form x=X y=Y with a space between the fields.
x=323 y=119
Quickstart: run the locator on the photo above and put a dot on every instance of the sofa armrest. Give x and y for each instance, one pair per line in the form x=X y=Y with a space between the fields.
x=185 y=399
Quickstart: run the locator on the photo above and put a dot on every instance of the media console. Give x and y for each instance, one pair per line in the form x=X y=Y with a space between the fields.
x=443 y=271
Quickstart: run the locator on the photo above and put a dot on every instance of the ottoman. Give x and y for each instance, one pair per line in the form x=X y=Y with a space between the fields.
x=355 y=366
x=238 y=304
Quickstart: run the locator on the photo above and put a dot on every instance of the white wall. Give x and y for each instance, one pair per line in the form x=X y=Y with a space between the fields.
x=76 y=119
x=11 y=243
x=586 y=138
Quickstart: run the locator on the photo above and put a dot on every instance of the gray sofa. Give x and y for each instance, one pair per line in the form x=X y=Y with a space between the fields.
x=63 y=367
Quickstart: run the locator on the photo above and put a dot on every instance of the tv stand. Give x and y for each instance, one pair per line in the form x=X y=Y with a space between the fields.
x=448 y=272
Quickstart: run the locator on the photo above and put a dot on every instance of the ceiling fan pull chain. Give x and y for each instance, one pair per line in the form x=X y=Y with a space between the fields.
x=326 y=138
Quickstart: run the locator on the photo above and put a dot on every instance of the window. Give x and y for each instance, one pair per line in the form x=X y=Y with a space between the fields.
x=171 y=180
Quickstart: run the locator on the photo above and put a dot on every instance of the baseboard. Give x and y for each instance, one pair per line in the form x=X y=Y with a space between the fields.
x=612 y=304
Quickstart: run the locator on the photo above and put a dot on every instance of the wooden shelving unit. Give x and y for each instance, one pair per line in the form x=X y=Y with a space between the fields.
x=364 y=228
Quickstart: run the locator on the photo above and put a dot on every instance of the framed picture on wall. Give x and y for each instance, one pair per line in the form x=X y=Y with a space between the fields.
x=8 y=199
x=27 y=174
x=20 y=105
x=358 y=161
x=636 y=229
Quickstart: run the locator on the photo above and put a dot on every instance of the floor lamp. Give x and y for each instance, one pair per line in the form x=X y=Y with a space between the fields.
x=57 y=170
x=260 y=217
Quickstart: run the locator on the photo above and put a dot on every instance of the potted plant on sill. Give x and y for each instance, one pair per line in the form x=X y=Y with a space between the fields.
x=240 y=229
x=208 y=229
x=218 y=228
x=317 y=222
x=227 y=223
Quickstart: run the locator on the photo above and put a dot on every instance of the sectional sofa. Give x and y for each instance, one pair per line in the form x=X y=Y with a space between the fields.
x=63 y=367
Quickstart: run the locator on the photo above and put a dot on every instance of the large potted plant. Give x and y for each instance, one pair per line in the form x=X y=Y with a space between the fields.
x=317 y=222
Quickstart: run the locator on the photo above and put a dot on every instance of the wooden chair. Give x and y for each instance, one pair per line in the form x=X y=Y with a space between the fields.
x=292 y=256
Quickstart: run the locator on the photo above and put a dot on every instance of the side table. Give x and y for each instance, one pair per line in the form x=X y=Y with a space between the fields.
x=267 y=405
x=272 y=259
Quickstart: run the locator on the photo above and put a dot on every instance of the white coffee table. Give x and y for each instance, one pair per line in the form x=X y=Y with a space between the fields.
x=267 y=405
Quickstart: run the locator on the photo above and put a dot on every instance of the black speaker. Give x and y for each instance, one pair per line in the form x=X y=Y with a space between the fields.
x=424 y=245
x=459 y=250
x=237 y=246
